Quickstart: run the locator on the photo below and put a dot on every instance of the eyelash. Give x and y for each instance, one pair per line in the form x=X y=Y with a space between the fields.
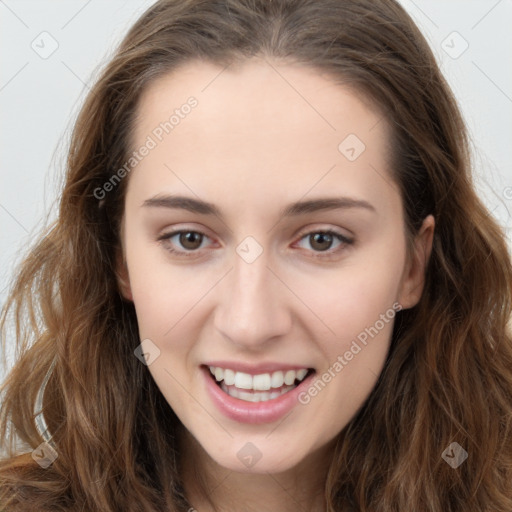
x=345 y=241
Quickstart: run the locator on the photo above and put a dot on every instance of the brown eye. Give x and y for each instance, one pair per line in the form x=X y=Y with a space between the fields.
x=325 y=244
x=190 y=239
x=183 y=243
x=321 y=241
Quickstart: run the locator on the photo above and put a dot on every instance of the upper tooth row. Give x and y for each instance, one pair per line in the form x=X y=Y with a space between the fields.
x=259 y=382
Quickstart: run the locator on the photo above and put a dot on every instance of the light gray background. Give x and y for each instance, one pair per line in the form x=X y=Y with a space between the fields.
x=40 y=96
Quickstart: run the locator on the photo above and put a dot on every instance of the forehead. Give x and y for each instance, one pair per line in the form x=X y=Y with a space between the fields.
x=258 y=89
x=259 y=123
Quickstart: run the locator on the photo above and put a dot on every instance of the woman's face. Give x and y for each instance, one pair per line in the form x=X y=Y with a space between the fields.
x=292 y=256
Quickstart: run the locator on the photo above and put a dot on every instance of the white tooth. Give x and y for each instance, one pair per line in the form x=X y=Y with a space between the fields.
x=233 y=392
x=229 y=377
x=212 y=370
x=219 y=374
x=300 y=374
x=261 y=382
x=256 y=396
x=289 y=377
x=277 y=379
x=243 y=380
x=248 y=397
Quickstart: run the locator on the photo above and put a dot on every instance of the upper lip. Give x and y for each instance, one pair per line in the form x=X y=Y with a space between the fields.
x=255 y=369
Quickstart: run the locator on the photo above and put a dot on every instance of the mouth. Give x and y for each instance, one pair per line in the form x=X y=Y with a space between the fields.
x=261 y=387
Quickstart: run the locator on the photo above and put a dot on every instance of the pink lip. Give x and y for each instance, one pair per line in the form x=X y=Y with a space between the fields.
x=252 y=412
x=254 y=369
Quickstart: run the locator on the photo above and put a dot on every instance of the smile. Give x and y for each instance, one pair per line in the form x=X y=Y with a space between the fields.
x=255 y=393
x=260 y=387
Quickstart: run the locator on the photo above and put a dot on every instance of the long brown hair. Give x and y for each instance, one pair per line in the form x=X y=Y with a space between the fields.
x=448 y=376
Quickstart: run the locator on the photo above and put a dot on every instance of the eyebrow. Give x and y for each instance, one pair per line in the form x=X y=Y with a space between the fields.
x=294 y=209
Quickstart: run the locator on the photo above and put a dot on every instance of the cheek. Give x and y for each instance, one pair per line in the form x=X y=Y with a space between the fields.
x=353 y=297
x=163 y=293
x=358 y=306
x=164 y=305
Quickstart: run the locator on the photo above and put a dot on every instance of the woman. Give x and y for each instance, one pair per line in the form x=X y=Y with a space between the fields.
x=271 y=285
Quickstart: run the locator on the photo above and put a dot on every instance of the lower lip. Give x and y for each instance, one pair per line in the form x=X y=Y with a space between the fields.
x=253 y=412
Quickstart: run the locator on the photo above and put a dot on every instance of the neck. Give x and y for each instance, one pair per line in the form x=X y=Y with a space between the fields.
x=210 y=487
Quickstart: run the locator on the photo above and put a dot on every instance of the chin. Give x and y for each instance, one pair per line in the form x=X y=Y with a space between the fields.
x=250 y=459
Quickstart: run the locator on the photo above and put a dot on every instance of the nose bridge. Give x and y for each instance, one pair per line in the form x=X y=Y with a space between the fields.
x=253 y=308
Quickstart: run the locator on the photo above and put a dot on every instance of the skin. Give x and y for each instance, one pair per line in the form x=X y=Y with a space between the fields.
x=264 y=134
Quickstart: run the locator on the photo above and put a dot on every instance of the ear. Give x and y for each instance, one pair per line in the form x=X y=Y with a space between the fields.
x=413 y=280
x=122 y=277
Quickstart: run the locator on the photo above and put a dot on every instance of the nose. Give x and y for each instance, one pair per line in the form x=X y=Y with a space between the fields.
x=253 y=307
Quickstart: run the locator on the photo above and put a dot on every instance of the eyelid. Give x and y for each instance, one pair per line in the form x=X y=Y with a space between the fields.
x=325 y=229
x=174 y=230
